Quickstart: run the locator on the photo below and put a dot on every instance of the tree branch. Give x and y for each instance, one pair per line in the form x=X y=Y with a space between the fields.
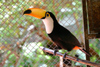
x=71 y=58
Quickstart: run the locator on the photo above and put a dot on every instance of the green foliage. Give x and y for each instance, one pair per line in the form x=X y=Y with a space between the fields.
x=14 y=25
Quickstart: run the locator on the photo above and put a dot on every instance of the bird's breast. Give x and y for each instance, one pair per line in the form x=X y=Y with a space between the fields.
x=48 y=22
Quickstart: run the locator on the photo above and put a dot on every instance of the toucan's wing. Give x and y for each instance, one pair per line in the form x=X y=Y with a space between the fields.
x=67 y=37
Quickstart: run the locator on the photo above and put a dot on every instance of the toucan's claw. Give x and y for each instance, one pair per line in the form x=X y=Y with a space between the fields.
x=76 y=55
x=64 y=55
x=77 y=59
x=55 y=51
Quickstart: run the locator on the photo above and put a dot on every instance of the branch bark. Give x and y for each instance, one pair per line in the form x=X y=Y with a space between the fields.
x=71 y=58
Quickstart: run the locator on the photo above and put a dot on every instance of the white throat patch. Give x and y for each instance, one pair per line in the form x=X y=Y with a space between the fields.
x=48 y=22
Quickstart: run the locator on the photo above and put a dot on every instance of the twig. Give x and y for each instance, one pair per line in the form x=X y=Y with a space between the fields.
x=3 y=62
x=12 y=52
x=23 y=40
x=19 y=43
x=71 y=58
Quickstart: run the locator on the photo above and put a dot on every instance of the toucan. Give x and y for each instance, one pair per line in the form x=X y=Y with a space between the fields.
x=61 y=36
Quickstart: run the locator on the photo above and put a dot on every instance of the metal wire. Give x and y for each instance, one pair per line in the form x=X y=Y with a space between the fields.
x=21 y=36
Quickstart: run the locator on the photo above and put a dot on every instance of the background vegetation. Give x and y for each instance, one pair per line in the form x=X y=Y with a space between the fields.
x=21 y=36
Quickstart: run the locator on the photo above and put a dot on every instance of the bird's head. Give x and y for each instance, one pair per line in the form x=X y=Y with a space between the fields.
x=47 y=17
x=38 y=13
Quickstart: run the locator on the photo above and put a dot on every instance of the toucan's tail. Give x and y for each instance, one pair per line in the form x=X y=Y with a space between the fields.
x=83 y=50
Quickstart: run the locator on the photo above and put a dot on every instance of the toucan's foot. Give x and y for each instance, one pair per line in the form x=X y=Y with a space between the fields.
x=64 y=55
x=55 y=51
x=77 y=57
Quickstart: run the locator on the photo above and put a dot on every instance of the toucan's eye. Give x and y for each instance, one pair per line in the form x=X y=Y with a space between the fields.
x=47 y=14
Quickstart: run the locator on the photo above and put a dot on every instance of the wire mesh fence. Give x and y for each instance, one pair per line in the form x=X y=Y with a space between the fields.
x=21 y=36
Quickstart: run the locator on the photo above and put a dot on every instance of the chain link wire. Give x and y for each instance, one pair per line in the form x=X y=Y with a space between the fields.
x=21 y=36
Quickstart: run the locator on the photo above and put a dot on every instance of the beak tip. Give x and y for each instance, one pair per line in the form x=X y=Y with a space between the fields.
x=23 y=13
x=27 y=12
x=35 y=12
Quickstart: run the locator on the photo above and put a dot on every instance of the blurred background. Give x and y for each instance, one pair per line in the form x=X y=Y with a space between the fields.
x=21 y=35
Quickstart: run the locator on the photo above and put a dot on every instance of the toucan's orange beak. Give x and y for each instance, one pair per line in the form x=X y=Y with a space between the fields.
x=35 y=12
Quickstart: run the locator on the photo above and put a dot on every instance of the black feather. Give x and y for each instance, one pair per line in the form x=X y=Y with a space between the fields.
x=63 y=37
